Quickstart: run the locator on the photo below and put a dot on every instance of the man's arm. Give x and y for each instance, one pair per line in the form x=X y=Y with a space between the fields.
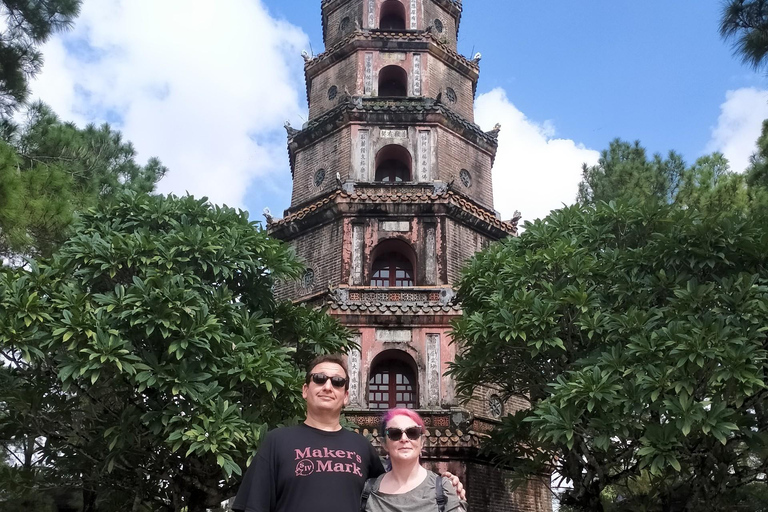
x=257 y=490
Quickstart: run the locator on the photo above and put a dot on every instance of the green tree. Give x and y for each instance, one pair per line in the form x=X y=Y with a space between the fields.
x=745 y=22
x=49 y=170
x=27 y=24
x=625 y=173
x=151 y=354
x=636 y=335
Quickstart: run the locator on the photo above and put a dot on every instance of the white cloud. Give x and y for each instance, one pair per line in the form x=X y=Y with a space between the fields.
x=205 y=88
x=535 y=172
x=738 y=126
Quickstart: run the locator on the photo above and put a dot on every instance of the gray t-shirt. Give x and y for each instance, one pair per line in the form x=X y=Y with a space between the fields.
x=419 y=499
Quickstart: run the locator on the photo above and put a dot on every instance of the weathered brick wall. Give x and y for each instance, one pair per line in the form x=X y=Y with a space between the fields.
x=455 y=154
x=440 y=77
x=342 y=75
x=489 y=490
x=325 y=241
x=334 y=31
x=461 y=243
x=434 y=12
x=333 y=154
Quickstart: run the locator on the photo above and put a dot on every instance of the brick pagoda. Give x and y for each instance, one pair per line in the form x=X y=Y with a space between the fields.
x=392 y=193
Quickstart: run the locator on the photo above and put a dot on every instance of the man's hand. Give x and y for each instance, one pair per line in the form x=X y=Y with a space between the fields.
x=457 y=485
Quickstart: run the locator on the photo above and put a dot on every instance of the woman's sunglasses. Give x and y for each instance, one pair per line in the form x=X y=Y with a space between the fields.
x=320 y=379
x=395 y=434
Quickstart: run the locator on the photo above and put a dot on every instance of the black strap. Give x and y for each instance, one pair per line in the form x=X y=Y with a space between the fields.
x=440 y=494
x=366 y=493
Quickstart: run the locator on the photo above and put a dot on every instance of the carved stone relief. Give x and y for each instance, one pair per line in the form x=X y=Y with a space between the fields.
x=425 y=156
x=417 y=75
x=353 y=364
x=356 y=272
x=431 y=256
x=368 y=78
x=363 y=155
x=371 y=14
x=433 y=370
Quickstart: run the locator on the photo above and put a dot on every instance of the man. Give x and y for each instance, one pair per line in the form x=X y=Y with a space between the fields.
x=316 y=466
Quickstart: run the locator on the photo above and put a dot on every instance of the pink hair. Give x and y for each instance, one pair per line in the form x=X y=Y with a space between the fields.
x=401 y=412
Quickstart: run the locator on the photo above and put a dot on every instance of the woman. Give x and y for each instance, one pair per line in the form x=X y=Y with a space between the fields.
x=408 y=487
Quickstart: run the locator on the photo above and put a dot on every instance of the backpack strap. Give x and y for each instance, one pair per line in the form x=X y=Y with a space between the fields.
x=367 y=488
x=440 y=494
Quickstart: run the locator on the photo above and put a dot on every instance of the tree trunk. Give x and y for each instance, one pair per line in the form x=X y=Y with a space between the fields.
x=587 y=501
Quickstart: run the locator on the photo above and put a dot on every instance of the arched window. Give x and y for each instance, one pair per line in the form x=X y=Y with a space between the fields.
x=393 y=82
x=392 y=269
x=393 y=164
x=392 y=15
x=393 y=382
x=393 y=264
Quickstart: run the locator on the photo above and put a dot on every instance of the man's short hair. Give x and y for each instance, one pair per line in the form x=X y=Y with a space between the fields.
x=328 y=358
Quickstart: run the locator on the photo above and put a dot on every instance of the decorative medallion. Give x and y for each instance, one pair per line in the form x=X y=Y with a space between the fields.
x=496 y=406
x=344 y=25
x=451 y=95
x=319 y=177
x=308 y=279
x=439 y=26
x=466 y=178
x=332 y=92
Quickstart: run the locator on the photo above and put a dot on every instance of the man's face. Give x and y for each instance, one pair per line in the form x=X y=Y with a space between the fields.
x=325 y=398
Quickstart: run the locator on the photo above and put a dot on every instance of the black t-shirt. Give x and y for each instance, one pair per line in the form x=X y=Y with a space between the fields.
x=299 y=469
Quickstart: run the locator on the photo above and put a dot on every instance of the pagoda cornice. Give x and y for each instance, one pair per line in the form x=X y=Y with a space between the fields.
x=404 y=199
x=401 y=40
x=392 y=112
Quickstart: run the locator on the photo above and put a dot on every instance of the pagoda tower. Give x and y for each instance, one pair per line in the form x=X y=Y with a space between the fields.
x=392 y=193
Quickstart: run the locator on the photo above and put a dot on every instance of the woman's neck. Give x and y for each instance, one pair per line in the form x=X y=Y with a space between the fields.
x=405 y=476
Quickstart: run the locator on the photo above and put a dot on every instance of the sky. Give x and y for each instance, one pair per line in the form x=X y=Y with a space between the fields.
x=207 y=87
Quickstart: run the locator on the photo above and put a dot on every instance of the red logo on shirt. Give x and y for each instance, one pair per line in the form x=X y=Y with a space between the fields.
x=305 y=468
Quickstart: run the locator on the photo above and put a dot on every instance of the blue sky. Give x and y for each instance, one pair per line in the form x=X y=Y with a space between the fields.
x=207 y=91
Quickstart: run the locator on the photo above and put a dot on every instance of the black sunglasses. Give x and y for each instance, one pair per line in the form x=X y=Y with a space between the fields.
x=320 y=379
x=396 y=434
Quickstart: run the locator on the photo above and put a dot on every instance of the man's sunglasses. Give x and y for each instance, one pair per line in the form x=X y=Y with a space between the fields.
x=396 y=434
x=320 y=379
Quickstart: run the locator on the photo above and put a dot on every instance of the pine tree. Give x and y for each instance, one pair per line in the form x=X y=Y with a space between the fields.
x=28 y=24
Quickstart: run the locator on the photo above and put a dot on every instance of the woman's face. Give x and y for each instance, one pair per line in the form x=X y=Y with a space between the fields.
x=404 y=449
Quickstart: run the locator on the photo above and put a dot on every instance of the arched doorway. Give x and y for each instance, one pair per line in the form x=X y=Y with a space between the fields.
x=393 y=381
x=393 y=164
x=392 y=15
x=393 y=82
x=393 y=265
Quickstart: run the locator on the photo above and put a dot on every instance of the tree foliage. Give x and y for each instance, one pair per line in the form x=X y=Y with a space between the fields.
x=745 y=23
x=27 y=24
x=147 y=358
x=635 y=335
x=49 y=170
x=625 y=173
